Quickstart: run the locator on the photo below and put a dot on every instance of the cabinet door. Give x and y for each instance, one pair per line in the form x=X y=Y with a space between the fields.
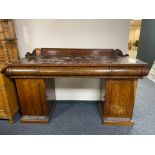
x=32 y=97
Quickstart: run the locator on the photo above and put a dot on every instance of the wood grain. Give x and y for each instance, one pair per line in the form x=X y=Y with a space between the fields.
x=119 y=101
x=32 y=97
x=8 y=41
x=8 y=98
x=121 y=74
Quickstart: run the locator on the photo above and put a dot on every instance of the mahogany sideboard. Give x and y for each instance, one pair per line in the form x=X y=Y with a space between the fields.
x=120 y=72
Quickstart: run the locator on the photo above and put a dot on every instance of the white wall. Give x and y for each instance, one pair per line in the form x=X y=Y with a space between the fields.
x=73 y=34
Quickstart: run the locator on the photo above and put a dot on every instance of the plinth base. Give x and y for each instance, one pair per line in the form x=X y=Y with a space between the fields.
x=118 y=121
x=39 y=119
x=115 y=121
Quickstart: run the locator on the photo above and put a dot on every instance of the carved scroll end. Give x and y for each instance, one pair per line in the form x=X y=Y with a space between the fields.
x=36 y=52
x=120 y=53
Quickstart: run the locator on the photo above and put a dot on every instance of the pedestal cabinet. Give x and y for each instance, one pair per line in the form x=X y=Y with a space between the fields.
x=8 y=97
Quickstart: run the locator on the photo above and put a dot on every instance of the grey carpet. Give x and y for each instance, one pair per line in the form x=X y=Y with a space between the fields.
x=84 y=118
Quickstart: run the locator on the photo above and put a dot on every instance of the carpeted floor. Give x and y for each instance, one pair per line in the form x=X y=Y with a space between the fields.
x=84 y=118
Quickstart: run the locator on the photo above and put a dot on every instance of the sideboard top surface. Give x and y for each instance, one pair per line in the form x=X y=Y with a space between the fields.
x=78 y=61
x=77 y=57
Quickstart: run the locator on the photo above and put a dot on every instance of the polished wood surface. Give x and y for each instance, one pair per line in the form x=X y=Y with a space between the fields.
x=74 y=52
x=102 y=65
x=32 y=97
x=121 y=74
x=8 y=98
x=119 y=101
x=84 y=72
x=79 y=57
x=36 y=98
x=78 y=61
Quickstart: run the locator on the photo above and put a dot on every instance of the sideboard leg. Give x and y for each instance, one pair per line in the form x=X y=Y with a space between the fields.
x=117 y=109
x=33 y=104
